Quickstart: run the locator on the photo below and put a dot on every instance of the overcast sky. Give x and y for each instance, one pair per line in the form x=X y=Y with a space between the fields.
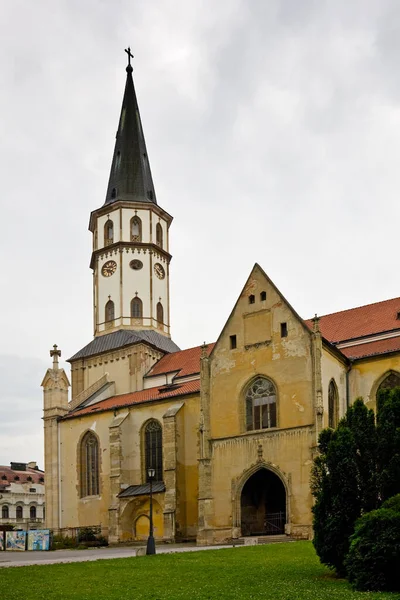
x=273 y=133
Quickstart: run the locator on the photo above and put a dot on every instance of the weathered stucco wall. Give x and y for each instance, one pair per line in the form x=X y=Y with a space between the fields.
x=332 y=368
x=367 y=374
x=124 y=465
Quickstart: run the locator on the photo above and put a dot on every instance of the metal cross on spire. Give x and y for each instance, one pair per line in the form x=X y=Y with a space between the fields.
x=130 y=55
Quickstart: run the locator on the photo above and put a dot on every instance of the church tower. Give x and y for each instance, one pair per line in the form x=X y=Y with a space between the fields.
x=130 y=258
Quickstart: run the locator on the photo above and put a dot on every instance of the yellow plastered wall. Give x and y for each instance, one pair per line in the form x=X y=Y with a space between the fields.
x=366 y=375
x=78 y=512
x=261 y=351
x=333 y=368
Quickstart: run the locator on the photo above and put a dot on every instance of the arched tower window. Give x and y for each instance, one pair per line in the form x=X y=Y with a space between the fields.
x=110 y=312
x=160 y=313
x=136 y=308
x=391 y=381
x=32 y=512
x=136 y=229
x=159 y=235
x=108 y=233
x=19 y=512
x=89 y=455
x=333 y=405
x=260 y=404
x=153 y=449
x=5 y=514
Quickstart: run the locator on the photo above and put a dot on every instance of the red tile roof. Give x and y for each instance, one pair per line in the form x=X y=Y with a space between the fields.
x=187 y=362
x=152 y=394
x=372 y=348
x=360 y=322
x=10 y=474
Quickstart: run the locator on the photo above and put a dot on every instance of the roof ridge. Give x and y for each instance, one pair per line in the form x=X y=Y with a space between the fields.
x=355 y=308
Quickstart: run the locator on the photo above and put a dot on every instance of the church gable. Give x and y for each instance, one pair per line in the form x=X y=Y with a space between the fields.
x=263 y=337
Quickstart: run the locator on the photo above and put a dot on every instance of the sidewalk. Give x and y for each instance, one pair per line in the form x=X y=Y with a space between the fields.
x=23 y=559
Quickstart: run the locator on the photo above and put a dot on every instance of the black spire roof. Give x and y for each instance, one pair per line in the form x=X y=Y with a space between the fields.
x=130 y=176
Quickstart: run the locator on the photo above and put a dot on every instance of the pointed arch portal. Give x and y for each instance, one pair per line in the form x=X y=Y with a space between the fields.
x=263 y=504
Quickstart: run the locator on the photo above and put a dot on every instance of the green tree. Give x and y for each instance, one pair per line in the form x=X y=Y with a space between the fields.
x=344 y=483
x=388 y=434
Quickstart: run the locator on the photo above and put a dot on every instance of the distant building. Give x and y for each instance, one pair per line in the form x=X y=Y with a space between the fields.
x=22 y=495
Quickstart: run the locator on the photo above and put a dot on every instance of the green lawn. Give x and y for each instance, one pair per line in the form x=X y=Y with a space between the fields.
x=276 y=571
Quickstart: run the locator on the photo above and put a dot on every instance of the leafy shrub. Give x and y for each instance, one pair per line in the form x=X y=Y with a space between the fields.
x=374 y=557
x=61 y=542
x=393 y=503
x=87 y=534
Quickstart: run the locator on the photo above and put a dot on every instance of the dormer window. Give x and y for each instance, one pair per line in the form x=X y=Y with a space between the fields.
x=113 y=193
x=108 y=233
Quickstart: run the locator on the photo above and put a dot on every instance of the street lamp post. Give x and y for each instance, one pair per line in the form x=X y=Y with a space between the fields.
x=151 y=545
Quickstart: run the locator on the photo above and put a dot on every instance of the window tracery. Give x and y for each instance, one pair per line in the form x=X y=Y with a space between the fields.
x=261 y=404
x=153 y=449
x=333 y=405
x=89 y=454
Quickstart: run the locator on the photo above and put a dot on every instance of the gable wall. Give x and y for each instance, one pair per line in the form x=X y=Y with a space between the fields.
x=261 y=351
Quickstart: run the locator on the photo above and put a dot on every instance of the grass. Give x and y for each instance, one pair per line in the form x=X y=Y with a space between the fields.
x=276 y=571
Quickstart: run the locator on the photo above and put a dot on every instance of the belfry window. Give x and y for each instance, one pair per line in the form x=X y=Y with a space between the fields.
x=110 y=312
x=153 y=449
x=136 y=229
x=108 y=233
x=5 y=514
x=160 y=313
x=159 y=235
x=136 y=308
x=260 y=404
x=89 y=454
x=333 y=405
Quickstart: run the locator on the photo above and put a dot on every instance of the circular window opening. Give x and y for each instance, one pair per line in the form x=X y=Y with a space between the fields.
x=136 y=264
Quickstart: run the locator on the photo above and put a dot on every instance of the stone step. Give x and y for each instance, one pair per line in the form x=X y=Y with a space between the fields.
x=263 y=539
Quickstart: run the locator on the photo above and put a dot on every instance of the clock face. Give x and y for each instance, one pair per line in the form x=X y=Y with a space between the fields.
x=136 y=264
x=159 y=271
x=109 y=268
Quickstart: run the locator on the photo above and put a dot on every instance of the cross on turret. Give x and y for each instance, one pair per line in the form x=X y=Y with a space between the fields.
x=55 y=353
x=130 y=55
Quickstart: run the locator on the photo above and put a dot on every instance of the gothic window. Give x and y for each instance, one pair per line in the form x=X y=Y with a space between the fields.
x=160 y=313
x=391 y=381
x=153 y=449
x=18 y=512
x=110 y=311
x=5 y=512
x=136 y=308
x=32 y=512
x=89 y=465
x=136 y=229
x=260 y=404
x=333 y=405
x=159 y=235
x=108 y=233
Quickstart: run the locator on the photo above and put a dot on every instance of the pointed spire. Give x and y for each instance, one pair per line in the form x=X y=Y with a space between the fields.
x=130 y=176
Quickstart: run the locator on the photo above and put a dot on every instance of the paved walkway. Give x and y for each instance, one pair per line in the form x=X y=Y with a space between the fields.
x=23 y=559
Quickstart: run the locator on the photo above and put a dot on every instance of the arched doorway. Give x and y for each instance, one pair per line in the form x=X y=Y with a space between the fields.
x=263 y=504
